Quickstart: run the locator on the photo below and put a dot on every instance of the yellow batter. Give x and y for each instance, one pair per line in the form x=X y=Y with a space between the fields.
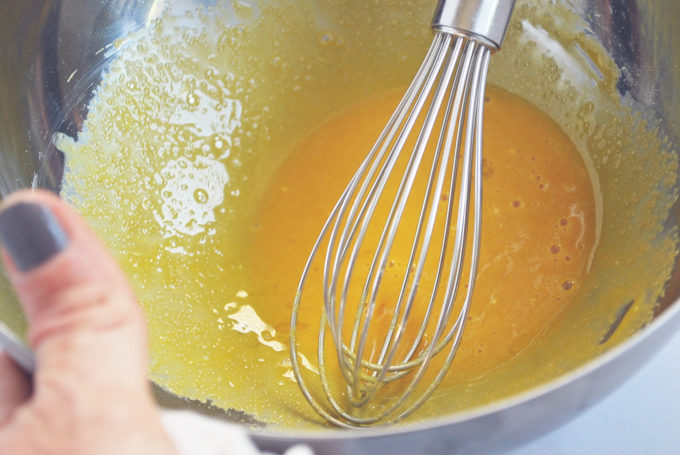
x=219 y=140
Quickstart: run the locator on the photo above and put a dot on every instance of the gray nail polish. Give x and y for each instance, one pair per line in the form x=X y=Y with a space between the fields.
x=31 y=234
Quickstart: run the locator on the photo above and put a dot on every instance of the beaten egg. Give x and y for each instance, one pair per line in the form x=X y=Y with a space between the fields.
x=217 y=144
x=537 y=239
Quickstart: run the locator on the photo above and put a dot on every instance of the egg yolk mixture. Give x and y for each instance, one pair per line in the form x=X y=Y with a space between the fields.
x=208 y=167
x=537 y=239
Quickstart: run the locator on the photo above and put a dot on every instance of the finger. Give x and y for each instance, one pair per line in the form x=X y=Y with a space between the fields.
x=14 y=387
x=85 y=325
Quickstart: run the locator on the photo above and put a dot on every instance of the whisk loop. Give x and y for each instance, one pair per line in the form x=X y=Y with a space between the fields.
x=383 y=374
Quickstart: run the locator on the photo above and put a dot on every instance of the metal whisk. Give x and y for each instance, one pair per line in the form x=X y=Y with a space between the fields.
x=382 y=373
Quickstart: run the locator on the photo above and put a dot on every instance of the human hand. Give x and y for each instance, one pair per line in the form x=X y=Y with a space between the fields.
x=89 y=393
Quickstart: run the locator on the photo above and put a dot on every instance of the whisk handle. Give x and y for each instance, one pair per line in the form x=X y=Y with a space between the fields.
x=483 y=20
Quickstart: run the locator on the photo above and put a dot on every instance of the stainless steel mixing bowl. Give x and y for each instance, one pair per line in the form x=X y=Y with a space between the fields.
x=51 y=61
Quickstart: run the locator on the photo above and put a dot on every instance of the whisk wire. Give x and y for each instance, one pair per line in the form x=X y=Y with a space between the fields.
x=413 y=276
x=454 y=69
x=355 y=226
x=473 y=153
x=346 y=355
x=349 y=230
x=455 y=105
x=394 y=218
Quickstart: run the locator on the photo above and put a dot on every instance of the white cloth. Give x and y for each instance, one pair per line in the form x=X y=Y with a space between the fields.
x=194 y=434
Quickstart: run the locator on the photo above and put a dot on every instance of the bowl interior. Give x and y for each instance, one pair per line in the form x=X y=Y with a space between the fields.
x=605 y=71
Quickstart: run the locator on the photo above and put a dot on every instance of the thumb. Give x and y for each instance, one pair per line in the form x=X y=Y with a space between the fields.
x=85 y=325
